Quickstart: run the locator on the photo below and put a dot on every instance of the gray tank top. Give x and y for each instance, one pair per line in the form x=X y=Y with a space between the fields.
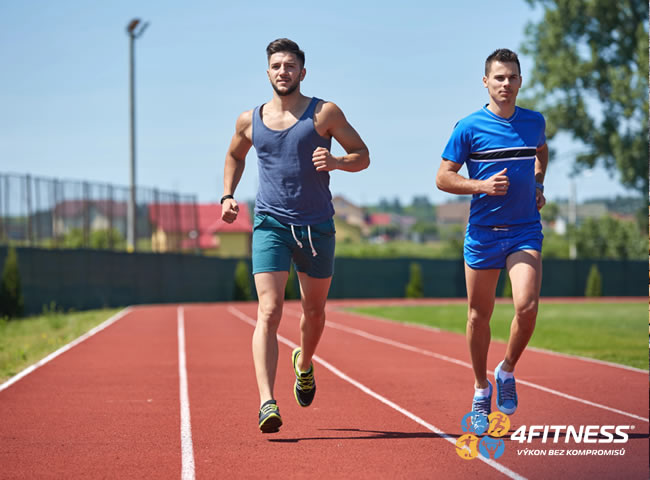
x=290 y=188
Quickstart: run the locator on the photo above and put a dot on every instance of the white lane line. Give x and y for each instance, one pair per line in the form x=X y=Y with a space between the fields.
x=428 y=353
x=187 y=459
x=497 y=466
x=65 y=348
x=587 y=359
x=339 y=310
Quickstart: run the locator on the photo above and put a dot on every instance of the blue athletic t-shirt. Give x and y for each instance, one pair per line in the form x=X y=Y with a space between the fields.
x=487 y=144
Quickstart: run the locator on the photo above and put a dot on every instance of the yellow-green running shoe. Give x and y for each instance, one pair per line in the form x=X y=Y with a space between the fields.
x=269 y=417
x=305 y=387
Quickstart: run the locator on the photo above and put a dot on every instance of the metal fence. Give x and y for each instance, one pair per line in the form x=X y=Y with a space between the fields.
x=53 y=213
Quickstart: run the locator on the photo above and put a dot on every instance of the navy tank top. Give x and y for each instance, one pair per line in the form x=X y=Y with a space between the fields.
x=290 y=188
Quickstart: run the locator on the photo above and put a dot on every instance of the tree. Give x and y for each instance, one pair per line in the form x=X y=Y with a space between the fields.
x=550 y=212
x=74 y=238
x=507 y=286
x=107 y=238
x=12 y=303
x=590 y=79
x=608 y=237
x=594 y=286
x=292 y=290
x=415 y=287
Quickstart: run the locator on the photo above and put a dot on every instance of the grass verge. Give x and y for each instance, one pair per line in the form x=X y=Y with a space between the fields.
x=613 y=332
x=25 y=341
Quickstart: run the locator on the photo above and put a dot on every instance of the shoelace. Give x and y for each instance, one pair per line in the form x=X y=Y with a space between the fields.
x=269 y=408
x=306 y=380
x=507 y=391
x=481 y=406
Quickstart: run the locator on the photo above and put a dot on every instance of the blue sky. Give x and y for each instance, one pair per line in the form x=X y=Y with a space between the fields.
x=403 y=73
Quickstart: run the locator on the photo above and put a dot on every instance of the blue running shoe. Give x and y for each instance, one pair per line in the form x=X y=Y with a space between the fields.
x=506 y=393
x=305 y=387
x=269 y=417
x=483 y=404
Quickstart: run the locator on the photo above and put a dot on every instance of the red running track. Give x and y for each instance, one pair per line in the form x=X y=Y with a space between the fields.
x=389 y=404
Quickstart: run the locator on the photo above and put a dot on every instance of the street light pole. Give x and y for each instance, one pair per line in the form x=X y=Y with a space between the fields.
x=131 y=213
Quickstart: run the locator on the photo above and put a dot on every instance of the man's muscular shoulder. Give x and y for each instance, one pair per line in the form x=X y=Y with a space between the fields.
x=244 y=125
x=327 y=116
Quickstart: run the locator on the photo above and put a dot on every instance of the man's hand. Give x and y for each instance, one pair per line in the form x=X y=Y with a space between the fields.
x=323 y=160
x=497 y=184
x=539 y=198
x=229 y=210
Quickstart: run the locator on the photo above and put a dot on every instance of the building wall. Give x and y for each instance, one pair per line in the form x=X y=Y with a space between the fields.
x=234 y=245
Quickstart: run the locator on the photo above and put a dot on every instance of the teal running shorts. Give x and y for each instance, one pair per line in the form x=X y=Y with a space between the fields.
x=275 y=244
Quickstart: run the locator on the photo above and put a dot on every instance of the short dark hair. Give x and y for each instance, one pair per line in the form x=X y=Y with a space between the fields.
x=502 y=55
x=285 y=45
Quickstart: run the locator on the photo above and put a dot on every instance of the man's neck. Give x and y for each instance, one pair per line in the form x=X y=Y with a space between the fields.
x=502 y=109
x=285 y=103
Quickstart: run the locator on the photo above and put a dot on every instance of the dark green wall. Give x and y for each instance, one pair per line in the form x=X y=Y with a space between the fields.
x=85 y=279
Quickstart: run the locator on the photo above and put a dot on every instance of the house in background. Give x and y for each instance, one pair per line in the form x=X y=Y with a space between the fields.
x=351 y=213
x=177 y=227
x=90 y=214
x=453 y=213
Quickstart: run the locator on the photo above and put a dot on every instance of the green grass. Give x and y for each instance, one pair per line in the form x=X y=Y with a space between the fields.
x=614 y=332
x=25 y=341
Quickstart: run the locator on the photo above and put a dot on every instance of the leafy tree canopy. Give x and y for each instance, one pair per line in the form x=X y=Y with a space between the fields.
x=590 y=79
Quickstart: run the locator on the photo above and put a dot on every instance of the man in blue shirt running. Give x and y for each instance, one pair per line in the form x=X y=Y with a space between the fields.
x=504 y=148
x=292 y=135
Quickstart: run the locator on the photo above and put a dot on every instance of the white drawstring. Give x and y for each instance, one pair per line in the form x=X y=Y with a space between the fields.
x=295 y=238
x=311 y=244
x=313 y=250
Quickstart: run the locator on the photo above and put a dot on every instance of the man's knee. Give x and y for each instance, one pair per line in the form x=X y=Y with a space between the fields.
x=314 y=313
x=478 y=317
x=527 y=310
x=269 y=313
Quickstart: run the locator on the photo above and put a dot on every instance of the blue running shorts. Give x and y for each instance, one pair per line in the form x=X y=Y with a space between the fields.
x=275 y=244
x=488 y=247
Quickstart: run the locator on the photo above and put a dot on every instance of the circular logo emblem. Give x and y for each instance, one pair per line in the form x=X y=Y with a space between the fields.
x=474 y=422
x=499 y=424
x=491 y=447
x=467 y=446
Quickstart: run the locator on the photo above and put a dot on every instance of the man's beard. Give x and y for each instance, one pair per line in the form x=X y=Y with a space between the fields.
x=286 y=92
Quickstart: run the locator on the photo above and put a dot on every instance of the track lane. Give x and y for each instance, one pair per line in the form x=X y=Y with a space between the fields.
x=344 y=434
x=88 y=414
x=569 y=375
x=394 y=374
x=107 y=408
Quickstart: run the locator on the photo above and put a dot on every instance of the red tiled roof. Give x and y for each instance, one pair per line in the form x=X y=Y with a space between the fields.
x=380 y=219
x=205 y=218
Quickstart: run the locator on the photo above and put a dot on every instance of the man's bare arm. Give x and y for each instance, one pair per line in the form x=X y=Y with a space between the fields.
x=449 y=180
x=235 y=162
x=331 y=121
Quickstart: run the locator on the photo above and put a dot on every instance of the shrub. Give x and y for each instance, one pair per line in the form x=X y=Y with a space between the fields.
x=415 y=287
x=594 y=283
x=507 y=286
x=292 y=291
x=12 y=303
x=242 y=290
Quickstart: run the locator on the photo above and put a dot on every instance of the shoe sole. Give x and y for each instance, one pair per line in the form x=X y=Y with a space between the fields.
x=271 y=424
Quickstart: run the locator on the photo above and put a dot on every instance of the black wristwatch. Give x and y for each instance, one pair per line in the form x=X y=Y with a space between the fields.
x=225 y=197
